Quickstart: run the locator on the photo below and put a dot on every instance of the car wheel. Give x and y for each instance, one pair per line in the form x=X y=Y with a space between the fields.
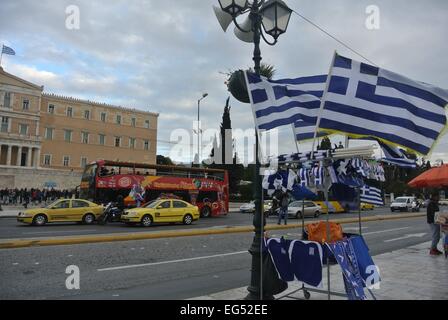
x=316 y=214
x=392 y=210
x=146 y=220
x=39 y=220
x=188 y=219
x=298 y=215
x=206 y=212
x=88 y=218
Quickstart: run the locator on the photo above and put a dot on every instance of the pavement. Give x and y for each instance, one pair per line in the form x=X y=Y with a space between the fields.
x=406 y=274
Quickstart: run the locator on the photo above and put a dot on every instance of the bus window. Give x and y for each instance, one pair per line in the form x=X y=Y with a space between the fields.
x=210 y=196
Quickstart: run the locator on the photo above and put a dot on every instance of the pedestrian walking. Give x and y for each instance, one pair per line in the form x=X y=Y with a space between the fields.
x=283 y=212
x=432 y=208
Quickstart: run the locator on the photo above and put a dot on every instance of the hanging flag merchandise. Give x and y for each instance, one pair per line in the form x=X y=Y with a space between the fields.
x=277 y=103
x=366 y=101
x=371 y=195
x=304 y=131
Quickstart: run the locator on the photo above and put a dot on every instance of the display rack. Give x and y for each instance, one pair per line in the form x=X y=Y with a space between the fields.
x=359 y=152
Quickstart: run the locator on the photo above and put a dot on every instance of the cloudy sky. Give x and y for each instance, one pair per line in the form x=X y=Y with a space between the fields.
x=161 y=56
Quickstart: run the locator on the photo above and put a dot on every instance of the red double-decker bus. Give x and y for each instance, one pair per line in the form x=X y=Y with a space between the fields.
x=103 y=180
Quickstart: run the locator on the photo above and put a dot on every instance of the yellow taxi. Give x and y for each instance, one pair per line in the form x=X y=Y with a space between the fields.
x=163 y=210
x=367 y=206
x=63 y=210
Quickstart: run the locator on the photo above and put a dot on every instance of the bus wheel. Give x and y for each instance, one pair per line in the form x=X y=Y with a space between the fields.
x=188 y=219
x=206 y=212
x=147 y=220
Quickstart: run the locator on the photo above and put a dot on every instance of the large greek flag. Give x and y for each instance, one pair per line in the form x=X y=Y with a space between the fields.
x=363 y=100
x=277 y=103
x=371 y=195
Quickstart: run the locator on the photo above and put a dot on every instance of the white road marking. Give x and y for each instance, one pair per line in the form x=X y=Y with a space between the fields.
x=64 y=231
x=171 y=261
x=36 y=263
x=414 y=235
x=142 y=248
x=387 y=230
x=115 y=295
x=70 y=255
x=15 y=263
x=355 y=228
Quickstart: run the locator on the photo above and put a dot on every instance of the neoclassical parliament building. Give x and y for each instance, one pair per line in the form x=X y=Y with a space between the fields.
x=47 y=139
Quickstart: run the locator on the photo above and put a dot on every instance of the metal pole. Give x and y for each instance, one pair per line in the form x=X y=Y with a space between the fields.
x=199 y=131
x=255 y=289
x=359 y=211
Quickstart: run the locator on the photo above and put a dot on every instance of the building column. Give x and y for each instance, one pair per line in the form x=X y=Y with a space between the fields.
x=0 y=152
x=29 y=156
x=19 y=156
x=37 y=158
x=8 y=155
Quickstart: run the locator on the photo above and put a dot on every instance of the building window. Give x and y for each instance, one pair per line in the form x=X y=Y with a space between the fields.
x=51 y=108
x=85 y=137
x=133 y=122
x=47 y=159
x=7 y=100
x=103 y=116
x=118 y=119
x=83 y=162
x=132 y=143
x=102 y=139
x=146 y=145
x=66 y=161
x=23 y=129
x=87 y=114
x=147 y=124
x=5 y=124
x=117 y=141
x=69 y=112
x=26 y=104
x=68 y=135
x=49 y=133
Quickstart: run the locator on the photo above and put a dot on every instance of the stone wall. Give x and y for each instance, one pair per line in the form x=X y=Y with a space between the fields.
x=37 y=178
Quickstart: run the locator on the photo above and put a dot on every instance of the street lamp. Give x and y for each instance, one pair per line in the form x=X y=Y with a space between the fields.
x=274 y=16
x=199 y=128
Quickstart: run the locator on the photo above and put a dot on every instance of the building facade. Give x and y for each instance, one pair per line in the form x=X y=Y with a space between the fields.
x=46 y=135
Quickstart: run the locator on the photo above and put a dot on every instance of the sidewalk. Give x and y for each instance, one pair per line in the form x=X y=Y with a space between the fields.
x=406 y=274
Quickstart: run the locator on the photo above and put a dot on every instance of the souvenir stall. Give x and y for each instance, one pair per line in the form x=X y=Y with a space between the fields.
x=324 y=243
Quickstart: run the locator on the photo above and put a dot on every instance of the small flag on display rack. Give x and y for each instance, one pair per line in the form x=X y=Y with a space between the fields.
x=366 y=101
x=371 y=195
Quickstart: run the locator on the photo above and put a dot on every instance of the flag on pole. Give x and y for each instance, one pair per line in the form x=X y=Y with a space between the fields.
x=8 y=50
x=305 y=130
x=371 y=195
x=364 y=100
x=396 y=156
x=277 y=103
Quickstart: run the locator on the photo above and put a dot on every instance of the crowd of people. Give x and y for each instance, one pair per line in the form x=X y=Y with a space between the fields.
x=33 y=196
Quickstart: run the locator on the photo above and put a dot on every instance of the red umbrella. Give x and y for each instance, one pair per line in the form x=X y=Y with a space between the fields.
x=432 y=178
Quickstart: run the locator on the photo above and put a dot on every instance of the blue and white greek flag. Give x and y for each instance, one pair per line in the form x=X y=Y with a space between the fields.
x=363 y=100
x=8 y=50
x=305 y=130
x=394 y=155
x=282 y=102
x=371 y=195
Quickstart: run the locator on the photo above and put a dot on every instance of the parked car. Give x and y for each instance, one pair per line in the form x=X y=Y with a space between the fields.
x=250 y=207
x=163 y=210
x=295 y=209
x=367 y=206
x=405 y=204
x=63 y=210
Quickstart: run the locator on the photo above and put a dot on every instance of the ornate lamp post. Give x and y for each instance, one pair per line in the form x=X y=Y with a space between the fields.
x=274 y=16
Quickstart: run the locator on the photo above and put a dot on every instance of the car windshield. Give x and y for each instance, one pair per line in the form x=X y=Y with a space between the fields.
x=51 y=205
x=152 y=204
x=400 y=200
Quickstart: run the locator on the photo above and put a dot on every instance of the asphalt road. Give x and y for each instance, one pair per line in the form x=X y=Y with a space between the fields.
x=11 y=229
x=171 y=268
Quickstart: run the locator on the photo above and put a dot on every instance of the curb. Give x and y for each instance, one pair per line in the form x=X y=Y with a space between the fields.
x=23 y=243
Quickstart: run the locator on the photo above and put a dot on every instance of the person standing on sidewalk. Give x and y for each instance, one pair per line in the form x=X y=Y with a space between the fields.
x=283 y=212
x=433 y=207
